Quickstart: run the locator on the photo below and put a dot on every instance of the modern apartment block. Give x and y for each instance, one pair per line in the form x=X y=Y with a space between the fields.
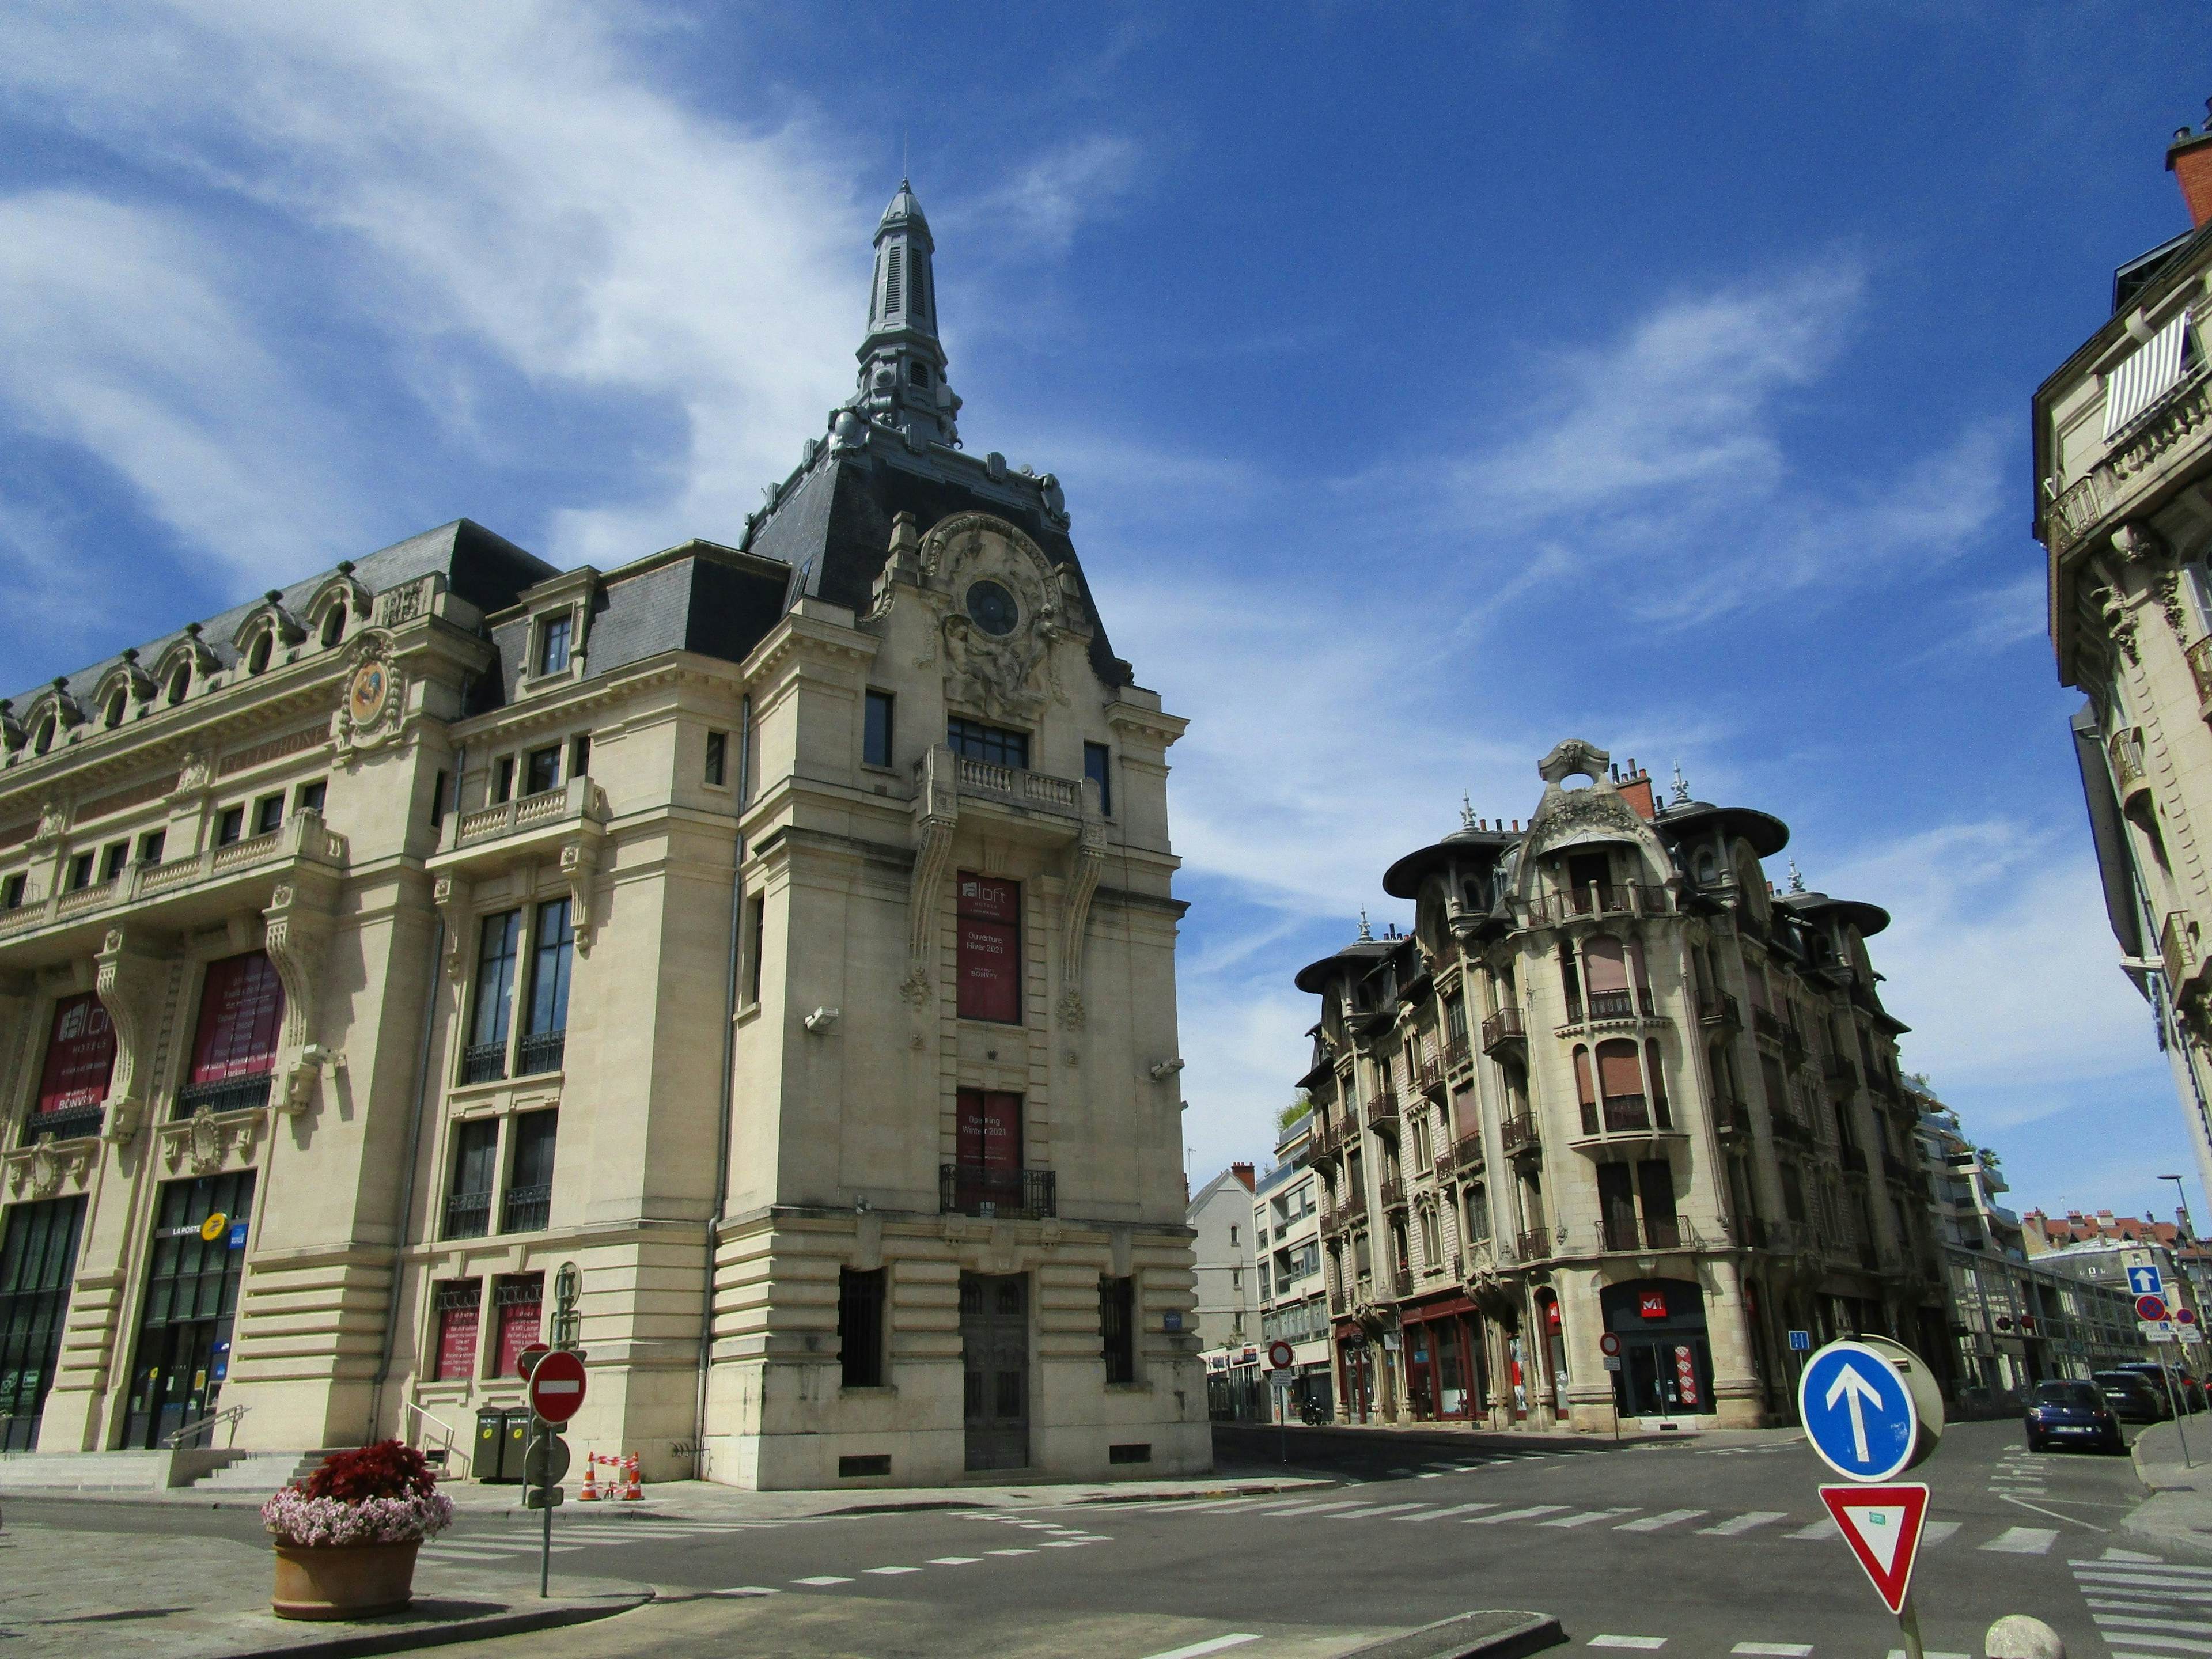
x=2123 y=436
x=1611 y=1085
x=781 y=932
x=1293 y=1290
x=1963 y=1182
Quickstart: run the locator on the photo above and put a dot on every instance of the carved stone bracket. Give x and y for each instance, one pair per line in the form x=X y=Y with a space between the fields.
x=127 y=978
x=207 y=1141
x=45 y=1170
x=295 y=934
x=579 y=868
x=451 y=894
x=938 y=806
x=1089 y=859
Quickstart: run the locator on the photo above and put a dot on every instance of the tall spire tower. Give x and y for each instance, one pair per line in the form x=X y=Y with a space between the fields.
x=903 y=382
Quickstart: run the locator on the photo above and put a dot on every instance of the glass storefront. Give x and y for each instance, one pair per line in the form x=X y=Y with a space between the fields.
x=183 y=1352
x=1666 y=1361
x=37 y=1258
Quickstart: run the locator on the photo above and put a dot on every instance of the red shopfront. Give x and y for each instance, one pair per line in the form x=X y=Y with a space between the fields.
x=1445 y=1376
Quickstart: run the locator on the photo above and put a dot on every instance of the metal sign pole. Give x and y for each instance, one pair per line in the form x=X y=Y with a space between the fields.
x=2173 y=1401
x=544 y=1433
x=1908 y=1625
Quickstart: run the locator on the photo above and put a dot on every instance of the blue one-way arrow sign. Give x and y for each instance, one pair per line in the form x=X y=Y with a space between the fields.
x=1857 y=1411
x=2146 y=1281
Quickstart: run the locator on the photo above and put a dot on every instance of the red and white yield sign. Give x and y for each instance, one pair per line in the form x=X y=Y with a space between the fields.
x=556 y=1387
x=1882 y=1526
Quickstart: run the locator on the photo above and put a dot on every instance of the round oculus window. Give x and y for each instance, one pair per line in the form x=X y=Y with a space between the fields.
x=992 y=608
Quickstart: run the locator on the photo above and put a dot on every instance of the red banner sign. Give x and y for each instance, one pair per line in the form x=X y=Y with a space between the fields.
x=457 y=1344
x=80 y=1056
x=990 y=983
x=517 y=1329
x=241 y=1010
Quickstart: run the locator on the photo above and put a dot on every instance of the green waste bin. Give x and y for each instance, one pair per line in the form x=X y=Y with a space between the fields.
x=491 y=1435
x=514 y=1444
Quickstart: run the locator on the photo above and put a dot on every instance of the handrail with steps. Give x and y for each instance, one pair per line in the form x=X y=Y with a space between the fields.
x=449 y=1451
x=229 y=1415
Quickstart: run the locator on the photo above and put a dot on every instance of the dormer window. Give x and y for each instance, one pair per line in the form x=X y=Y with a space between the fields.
x=334 y=626
x=552 y=656
x=179 y=682
x=113 y=717
x=257 y=660
x=44 y=739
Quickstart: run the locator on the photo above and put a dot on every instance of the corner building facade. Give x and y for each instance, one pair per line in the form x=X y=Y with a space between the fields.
x=783 y=932
x=1613 y=1099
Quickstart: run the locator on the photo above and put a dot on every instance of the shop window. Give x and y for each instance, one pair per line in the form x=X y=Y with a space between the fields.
x=973 y=740
x=268 y=814
x=552 y=657
x=718 y=758
x=545 y=1036
x=80 y=1059
x=519 y=1306
x=230 y=826
x=879 y=728
x=498 y=951
x=235 y=1044
x=990 y=948
x=1117 y=1325
x=541 y=770
x=860 y=1326
x=37 y=1259
x=460 y=1309
x=182 y=1356
x=529 y=1203
x=475 y=1155
x=1098 y=767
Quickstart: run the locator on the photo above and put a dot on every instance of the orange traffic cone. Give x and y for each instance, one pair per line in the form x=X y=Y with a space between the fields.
x=635 y=1489
x=591 y=1491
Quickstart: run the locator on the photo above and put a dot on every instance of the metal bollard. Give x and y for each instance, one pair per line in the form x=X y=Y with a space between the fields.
x=2016 y=1635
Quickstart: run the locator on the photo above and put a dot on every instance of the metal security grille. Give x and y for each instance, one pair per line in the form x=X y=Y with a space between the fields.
x=36 y=1259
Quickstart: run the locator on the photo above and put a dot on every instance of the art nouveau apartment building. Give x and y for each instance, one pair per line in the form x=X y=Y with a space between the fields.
x=1611 y=1086
x=2123 y=434
x=781 y=932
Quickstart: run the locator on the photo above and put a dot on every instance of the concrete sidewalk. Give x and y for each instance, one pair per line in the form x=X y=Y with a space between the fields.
x=2179 y=1512
x=179 y=1596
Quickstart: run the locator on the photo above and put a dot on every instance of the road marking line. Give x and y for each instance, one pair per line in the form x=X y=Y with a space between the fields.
x=1824 y=1528
x=1642 y=1642
x=1387 y=1509
x=887 y=1573
x=1936 y=1531
x=1745 y=1522
x=2023 y=1540
x=1072 y=1543
x=1587 y=1516
x=746 y=1589
x=2007 y=1498
x=1898 y=1653
x=825 y=1579
x=1010 y=1552
x=1457 y=1508
x=1196 y=1648
x=2193 y=1586
x=1304 y=1506
x=1435 y=1474
x=1653 y=1523
x=1528 y=1514
x=2125 y=1623
x=954 y=1560
x=1777 y=1650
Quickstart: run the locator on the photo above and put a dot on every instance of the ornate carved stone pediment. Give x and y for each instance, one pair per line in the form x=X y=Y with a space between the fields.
x=209 y=1142
x=1002 y=605
x=49 y=1169
x=373 y=704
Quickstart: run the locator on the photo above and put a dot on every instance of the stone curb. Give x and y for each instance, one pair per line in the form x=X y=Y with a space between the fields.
x=519 y=1622
x=1471 y=1636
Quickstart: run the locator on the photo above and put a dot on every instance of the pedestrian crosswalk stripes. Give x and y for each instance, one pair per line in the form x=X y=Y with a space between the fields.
x=1654 y=1523
x=2145 y=1607
x=1738 y=1525
x=2023 y=1540
x=1585 y=1517
x=1533 y=1510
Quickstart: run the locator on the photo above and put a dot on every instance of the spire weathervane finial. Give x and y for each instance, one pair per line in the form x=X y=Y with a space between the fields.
x=1466 y=811
x=1796 y=877
x=1366 y=936
x=902 y=383
x=1681 y=787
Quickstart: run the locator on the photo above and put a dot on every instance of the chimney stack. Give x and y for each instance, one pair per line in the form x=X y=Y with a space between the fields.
x=2189 y=159
x=1243 y=1173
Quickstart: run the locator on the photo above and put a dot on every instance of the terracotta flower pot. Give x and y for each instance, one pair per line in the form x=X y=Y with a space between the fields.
x=344 y=1580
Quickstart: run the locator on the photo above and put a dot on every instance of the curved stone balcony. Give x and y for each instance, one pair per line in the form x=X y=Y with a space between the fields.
x=1626 y=1123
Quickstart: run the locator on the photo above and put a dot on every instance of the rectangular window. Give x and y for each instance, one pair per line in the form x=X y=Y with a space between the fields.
x=80 y=1057
x=268 y=813
x=438 y=801
x=112 y=860
x=11 y=892
x=230 y=825
x=1117 y=1325
x=541 y=770
x=755 y=943
x=150 y=845
x=875 y=737
x=990 y=979
x=1654 y=1184
x=309 y=796
x=36 y=1262
x=502 y=780
x=553 y=644
x=234 y=1046
x=475 y=1155
x=580 y=754
x=530 y=1174
x=545 y=1034
x=486 y=1058
x=973 y=740
x=1098 y=767
x=860 y=1326
x=459 y=1307
x=80 y=871
x=717 y=758
x=519 y=1303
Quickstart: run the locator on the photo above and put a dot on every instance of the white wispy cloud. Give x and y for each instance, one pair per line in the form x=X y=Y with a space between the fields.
x=1049 y=197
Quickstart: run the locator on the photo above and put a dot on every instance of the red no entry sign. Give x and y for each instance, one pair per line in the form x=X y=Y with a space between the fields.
x=1608 y=1344
x=2150 y=1307
x=556 y=1387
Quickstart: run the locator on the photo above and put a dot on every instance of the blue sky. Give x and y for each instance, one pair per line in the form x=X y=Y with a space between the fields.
x=1427 y=388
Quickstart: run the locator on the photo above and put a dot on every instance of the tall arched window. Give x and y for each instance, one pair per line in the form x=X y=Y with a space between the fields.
x=44 y=738
x=257 y=659
x=1585 y=1090
x=334 y=623
x=179 y=682
x=113 y=717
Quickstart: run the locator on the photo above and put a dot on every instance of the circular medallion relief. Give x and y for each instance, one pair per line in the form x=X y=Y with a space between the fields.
x=367 y=692
x=992 y=609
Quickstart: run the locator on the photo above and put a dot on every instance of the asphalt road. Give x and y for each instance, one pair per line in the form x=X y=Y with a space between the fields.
x=1670 y=1547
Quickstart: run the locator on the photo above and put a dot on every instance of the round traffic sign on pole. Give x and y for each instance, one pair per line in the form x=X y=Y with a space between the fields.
x=526 y=1361
x=556 y=1387
x=1858 y=1412
x=1608 y=1344
x=1279 y=1355
x=2150 y=1307
x=2184 y=1315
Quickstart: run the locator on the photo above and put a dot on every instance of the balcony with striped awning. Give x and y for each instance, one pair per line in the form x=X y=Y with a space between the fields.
x=2145 y=375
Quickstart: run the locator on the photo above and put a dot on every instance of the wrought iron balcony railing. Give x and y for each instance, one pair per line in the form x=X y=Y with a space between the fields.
x=1518 y=1134
x=1503 y=1027
x=527 y=1209
x=541 y=1051
x=236 y=1094
x=72 y=1125
x=468 y=1215
x=483 y=1062
x=1017 y=1194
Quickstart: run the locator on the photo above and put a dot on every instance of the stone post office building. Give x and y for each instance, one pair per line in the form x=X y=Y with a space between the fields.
x=1613 y=1098
x=781 y=932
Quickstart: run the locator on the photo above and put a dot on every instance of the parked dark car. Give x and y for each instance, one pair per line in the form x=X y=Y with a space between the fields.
x=2186 y=1388
x=2132 y=1398
x=2072 y=1414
